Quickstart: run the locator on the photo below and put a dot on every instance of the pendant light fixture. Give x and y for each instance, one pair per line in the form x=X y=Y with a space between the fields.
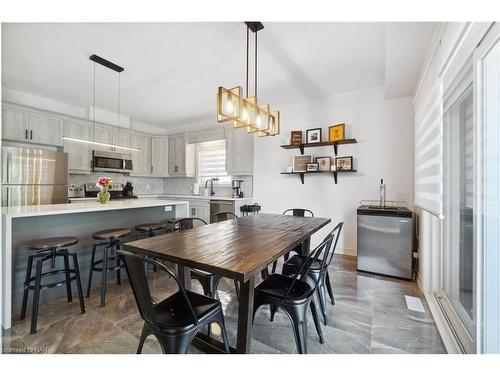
x=108 y=64
x=245 y=111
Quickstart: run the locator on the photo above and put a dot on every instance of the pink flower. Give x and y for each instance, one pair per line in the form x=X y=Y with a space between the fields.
x=103 y=182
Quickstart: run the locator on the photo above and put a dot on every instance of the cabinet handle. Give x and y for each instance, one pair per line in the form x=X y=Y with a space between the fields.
x=151 y=169
x=31 y=134
x=25 y=133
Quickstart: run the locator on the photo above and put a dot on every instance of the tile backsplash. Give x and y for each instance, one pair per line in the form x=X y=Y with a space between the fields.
x=169 y=185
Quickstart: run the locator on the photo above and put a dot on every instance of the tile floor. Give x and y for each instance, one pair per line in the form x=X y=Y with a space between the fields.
x=370 y=316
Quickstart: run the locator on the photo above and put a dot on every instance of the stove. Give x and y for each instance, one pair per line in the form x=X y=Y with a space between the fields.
x=116 y=191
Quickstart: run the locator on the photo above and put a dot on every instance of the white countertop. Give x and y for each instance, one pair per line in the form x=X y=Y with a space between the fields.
x=85 y=206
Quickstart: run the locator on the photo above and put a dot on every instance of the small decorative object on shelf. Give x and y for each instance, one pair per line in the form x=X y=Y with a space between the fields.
x=324 y=163
x=336 y=133
x=313 y=135
x=344 y=163
x=103 y=183
x=312 y=167
x=300 y=162
x=296 y=137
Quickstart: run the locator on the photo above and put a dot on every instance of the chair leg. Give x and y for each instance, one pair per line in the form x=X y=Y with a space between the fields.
x=275 y=265
x=329 y=288
x=320 y=290
x=174 y=344
x=26 y=289
x=36 y=296
x=222 y=325
x=118 y=264
x=317 y=324
x=92 y=259
x=104 y=275
x=298 y=314
x=273 y=309
x=144 y=335
x=78 y=283
x=69 y=292
x=287 y=255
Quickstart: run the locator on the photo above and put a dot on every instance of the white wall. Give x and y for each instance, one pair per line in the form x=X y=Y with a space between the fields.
x=384 y=130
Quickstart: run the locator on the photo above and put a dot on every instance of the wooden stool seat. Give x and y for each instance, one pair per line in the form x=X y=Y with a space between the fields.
x=111 y=233
x=51 y=243
x=149 y=227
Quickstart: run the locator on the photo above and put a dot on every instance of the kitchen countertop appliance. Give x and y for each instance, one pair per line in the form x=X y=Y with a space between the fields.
x=115 y=192
x=33 y=176
x=236 y=186
x=385 y=239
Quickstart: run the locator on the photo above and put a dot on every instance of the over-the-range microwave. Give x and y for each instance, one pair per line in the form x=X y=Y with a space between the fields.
x=111 y=162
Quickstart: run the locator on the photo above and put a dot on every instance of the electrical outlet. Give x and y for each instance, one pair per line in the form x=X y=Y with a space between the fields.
x=168 y=208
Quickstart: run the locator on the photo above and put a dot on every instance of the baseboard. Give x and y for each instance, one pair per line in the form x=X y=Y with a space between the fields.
x=351 y=252
x=444 y=330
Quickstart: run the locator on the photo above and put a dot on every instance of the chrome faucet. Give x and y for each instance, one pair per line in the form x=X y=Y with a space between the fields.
x=381 y=190
x=212 y=192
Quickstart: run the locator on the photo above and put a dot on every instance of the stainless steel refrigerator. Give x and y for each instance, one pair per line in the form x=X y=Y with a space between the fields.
x=33 y=176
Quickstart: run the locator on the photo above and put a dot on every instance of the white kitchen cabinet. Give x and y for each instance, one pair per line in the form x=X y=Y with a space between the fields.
x=45 y=129
x=79 y=154
x=112 y=136
x=15 y=124
x=23 y=125
x=141 y=160
x=200 y=209
x=239 y=152
x=181 y=157
x=159 y=157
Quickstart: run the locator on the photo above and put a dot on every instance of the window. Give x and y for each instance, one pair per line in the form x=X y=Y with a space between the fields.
x=211 y=162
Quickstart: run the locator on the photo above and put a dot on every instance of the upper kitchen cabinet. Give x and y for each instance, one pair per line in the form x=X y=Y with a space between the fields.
x=141 y=160
x=159 y=157
x=79 y=154
x=239 y=152
x=113 y=136
x=20 y=124
x=181 y=157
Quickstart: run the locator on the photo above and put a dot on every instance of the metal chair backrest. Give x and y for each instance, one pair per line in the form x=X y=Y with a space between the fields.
x=134 y=264
x=310 y=259
x=329 y=251
x=223 y=216
x=186 y=223
x=299 y=212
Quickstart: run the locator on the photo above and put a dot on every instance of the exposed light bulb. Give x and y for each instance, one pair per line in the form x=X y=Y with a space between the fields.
x=259 y=121
x=244 y=114
x=229 y=107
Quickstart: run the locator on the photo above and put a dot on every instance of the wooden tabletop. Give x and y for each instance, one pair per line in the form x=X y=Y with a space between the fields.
x=238 y=249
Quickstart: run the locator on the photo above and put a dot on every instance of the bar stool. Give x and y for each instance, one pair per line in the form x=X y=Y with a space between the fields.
x=112 y=243
x=50 y=249
x=149 y=229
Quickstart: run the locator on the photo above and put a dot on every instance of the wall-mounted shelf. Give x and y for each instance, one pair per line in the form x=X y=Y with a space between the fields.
x=321 y=144
x=334 y=173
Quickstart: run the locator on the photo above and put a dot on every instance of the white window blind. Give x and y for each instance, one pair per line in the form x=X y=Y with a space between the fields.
x=211 y=161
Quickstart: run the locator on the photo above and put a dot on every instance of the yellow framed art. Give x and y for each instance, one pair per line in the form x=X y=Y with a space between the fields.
x=336 y=133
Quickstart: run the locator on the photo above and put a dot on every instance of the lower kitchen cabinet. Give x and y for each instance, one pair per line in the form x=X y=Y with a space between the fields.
x=200 y=209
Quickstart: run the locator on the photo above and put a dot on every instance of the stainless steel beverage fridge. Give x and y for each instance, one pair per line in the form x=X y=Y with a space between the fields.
x=33 y=176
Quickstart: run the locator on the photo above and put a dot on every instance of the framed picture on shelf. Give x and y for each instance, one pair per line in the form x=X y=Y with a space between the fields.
x=296 y=137
x=300 y=162
x=313 y=135
x=344 y=163
x=336 y=133
x=324 y=163
x=312 y=167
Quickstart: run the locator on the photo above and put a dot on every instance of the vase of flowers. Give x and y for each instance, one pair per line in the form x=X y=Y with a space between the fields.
x=103 y=183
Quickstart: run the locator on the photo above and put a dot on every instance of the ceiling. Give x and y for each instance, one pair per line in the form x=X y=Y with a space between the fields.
x=172 y=70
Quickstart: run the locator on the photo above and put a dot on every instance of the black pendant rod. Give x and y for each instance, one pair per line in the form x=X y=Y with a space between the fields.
x=108 y=64
x=255 y=92
x=248 y=33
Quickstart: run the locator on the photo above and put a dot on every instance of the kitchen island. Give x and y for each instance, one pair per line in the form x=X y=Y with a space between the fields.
x=25 y=223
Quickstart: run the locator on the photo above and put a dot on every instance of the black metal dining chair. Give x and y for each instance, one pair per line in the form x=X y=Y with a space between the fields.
x=223 y=216
x=301 y=212
x=177 y=319
x=294 y=296
x=209 y=281
x=317 y=271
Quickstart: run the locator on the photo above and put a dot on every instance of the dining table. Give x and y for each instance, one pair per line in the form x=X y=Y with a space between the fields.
x=238 y=249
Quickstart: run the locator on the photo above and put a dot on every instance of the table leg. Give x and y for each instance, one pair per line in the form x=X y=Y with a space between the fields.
x=184 y=274
x=306 y=246
x=245 y=317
